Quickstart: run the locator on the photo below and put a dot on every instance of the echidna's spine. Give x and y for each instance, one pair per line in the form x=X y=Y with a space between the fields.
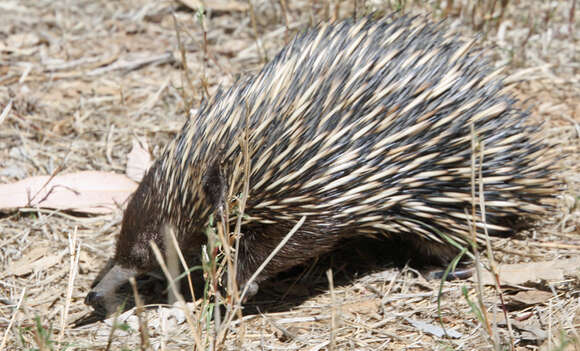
x=363 y=127
x=366 y=126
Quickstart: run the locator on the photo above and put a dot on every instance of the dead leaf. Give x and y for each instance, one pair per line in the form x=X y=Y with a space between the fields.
x=216 y=5
x=531 y=297
x=45 y=300
x=22 y=40
x=89 y=191
x=232 y=47
x=37 y=259
x=138 y=160
x=520 y=273
x=363 y=307
x=550 y=345
x=530 y=331
x=433 y=329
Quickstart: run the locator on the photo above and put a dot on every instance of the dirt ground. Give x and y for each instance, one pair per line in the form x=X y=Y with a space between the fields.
x=80 y=80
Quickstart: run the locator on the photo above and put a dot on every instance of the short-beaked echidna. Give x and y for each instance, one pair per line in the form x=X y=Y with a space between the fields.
x=365 y=128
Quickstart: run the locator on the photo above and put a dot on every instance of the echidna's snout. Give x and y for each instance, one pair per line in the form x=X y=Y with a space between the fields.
x=102 y=296
x=93 y=298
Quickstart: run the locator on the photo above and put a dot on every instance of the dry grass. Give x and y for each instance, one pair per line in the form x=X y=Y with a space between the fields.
x=80 y=79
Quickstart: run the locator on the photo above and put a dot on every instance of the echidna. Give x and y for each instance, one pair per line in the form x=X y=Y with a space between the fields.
x=365 y=128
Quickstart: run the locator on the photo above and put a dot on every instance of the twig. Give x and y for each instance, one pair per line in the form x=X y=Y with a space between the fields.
x=140 y=311
x=127 y=65
x=148 y=105
x=12 y=319
x=271 y=256
x=474 y=241
x=74 y=249
x=571 y=19
x=263 y=265
x=173 y=287
x=109 y=145
x=285 y=15
x=202 y=21
x=186 y=99
x=171 y=258
x=333 y=310
x=171 y=232
x=6 y=111
x=492 y=263
x=255 y=29
x=287 y=334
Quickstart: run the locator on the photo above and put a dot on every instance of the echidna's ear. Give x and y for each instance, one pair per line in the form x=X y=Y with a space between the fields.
x=215 y=184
